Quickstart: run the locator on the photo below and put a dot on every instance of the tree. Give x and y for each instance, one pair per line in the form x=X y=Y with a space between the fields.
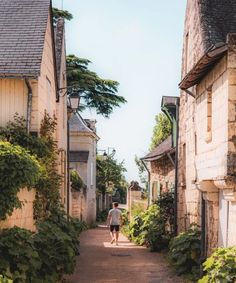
x=110 y=176
x=57 y=13
x=161 y=131
x=96 y=93
x=142 y=172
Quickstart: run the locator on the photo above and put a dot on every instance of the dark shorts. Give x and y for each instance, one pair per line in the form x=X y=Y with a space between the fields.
x=115 y=227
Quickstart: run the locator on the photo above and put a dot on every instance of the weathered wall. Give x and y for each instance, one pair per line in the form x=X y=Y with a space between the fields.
x=162 y=177
x=207 y=136
x=22 y=217
x=211 y=158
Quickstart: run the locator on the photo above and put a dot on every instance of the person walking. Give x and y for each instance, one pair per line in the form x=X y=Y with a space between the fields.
x=114 y=221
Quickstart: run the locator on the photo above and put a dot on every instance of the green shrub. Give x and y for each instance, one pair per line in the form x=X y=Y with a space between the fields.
x=18 y=258
x=135 y=230
x=102 y=215
x=220 y=267
x=76 y=181
x=3 y=279
x=18 y=169
x=166 y=204
x=148 y=228
x=153 y=229
x=185 y=250
x=125 y=217
x=56 y=250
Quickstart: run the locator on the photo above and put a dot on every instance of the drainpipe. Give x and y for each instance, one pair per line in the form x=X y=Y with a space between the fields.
x=203 y=231
x=149 y=177
x=176 y=171
x=174 y=119
x=29 y=105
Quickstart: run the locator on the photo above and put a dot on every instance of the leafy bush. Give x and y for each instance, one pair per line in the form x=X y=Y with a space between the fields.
x=56 y=250
x=3 y=279
x=18 y=169
x=125 y=217
x=18 y=258
x=102 y=215
x=220 y=267
x=149 y=228
x=76 y=181
x=166 y=204
x=185 y=250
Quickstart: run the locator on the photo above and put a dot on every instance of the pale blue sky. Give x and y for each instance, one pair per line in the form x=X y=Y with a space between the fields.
x=139 y=44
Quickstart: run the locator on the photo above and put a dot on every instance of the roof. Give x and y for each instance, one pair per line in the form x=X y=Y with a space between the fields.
x=162 y=149
x=203 y=66
x=78 y=156
x=217 y=20
x=77 y=123
x=22 y=33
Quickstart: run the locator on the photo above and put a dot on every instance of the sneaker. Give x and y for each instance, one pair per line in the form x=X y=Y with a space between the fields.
x=116 y=243
x=112 y=241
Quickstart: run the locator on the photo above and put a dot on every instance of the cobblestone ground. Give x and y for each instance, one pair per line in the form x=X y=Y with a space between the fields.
x=101 y=262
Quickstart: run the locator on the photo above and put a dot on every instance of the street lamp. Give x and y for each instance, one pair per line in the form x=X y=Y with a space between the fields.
x=73 y=102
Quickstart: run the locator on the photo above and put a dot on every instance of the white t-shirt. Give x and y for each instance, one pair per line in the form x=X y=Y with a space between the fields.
x=115 y=214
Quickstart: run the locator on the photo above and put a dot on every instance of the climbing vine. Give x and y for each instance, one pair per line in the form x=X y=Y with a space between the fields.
x=76 y=181
x=18 y=169
x=43 y=149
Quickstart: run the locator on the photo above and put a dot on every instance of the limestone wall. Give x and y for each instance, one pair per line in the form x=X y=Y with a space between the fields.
x=22 y=217
x=162 y=178
x=211 y=157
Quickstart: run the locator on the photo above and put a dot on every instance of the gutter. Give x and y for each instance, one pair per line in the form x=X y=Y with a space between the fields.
x=29 y=105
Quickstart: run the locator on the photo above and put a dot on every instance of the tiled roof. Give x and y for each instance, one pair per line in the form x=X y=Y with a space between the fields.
x=22 y=34
x=218 y=18
x=77 y=123
x=162 y=149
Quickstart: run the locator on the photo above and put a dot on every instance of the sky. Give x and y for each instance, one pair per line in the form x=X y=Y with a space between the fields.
x=139 y=44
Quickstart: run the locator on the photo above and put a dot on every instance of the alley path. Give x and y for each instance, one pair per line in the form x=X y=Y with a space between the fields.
x=101 y=262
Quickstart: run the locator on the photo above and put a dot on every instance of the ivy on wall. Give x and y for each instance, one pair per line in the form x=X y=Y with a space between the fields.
x=18 y=169
x=76 y=181
x=43 y=151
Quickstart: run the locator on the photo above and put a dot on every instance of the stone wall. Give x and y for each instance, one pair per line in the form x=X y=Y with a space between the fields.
x=22 y=217
x=162 y=174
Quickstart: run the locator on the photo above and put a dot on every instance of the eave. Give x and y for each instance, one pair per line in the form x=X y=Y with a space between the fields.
x=203 y=66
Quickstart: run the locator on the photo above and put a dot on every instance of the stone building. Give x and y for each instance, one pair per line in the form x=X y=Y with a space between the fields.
x=83 y=144
x=207 y=148
x=161 y=165
x=31 y=73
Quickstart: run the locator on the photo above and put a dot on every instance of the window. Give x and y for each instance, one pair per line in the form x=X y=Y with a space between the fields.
x=209 y=115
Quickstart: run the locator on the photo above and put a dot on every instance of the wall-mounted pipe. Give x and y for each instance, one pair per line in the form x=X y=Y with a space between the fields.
x=176 y=171
x=29 y=105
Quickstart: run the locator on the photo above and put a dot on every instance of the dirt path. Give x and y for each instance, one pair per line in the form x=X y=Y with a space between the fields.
x=101 y=262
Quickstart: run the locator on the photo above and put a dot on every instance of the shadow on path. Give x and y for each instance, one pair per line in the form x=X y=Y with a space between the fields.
x=101 y=262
